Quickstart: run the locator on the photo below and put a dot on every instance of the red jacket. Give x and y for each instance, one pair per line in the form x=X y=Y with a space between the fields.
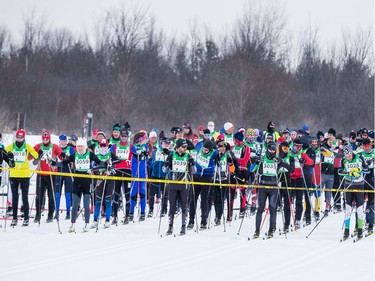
x=124 y=164
x=51 y=151
x=298 y=169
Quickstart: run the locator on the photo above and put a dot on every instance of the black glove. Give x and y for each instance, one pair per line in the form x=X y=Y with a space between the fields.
x=11 y=163
x=10 y=156
x=369 y=161
x=62 y=155
x=166 y=150
x=278 y=160
x=301 y=161
x=145 y=153
x=40 y=153
x=36 y=161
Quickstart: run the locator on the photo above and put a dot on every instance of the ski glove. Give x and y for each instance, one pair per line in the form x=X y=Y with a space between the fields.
x=166 y=150
x=301 y=161
x=165 y=169
x=10 y=156
x=369 y=161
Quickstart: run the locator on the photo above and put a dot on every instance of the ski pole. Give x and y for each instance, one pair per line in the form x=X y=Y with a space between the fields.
x=162 y=202
x=101 y=201
x=290 y=204
x=6 y=213
x=54 y=199
x=307 y=192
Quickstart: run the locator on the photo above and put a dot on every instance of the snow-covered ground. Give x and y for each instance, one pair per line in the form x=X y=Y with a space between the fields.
x=135 y=251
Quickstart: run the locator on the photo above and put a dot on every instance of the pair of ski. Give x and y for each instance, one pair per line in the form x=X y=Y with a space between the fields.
x=356 y=239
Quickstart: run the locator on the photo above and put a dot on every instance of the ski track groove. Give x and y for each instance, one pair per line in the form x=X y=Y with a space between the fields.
x=74 y=256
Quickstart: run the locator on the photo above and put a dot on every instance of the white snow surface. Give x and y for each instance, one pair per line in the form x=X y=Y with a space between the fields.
x=137 y=251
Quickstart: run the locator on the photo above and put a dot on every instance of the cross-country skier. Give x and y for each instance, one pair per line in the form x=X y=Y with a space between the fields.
x=20 y=175
x=179 y=165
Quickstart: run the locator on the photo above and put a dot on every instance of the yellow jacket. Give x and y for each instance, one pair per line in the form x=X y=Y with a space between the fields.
x=22 y=163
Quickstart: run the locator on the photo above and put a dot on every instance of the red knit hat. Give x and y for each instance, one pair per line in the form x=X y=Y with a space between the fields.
x=46 y=135
x=21 y=133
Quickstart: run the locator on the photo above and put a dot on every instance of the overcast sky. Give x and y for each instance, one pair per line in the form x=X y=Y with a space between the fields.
x=176 y=16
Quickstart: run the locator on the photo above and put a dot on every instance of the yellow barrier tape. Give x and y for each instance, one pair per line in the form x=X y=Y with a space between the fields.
x=153 y=180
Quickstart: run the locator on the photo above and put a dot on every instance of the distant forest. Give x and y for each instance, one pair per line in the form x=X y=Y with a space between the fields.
x=130 y=71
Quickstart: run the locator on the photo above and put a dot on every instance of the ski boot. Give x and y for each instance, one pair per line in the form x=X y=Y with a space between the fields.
x=131 y=217
x=370 y=230
x=190 y=224
x=326 y=212
x=298 y=224
x=142 y=217
x=107 y=224
x=67 y=217
x=183 y=230
x=150 y=214
x=346 y=234
x=170 y=229
x=317 y=215
x=114 y=221
x=49 y=219
x=56 y=217
x=270 y=233
x=203 y=223
x=360 y=233
x=37 y=219
x=94 y=224
x=72 y=228
x=14 y=222
x=252 y=210
x=217 y=221
x=126 y=220
x=25 y=222
x=256 y=235
x=86 y=228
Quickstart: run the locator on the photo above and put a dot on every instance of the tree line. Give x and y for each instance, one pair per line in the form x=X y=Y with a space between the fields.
x=132 y=72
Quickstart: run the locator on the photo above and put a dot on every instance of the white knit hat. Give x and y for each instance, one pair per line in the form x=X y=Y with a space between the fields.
x=227 y=126
x=81 y=142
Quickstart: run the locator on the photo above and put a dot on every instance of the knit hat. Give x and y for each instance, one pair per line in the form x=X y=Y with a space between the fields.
x=63 y=137
x=180 y=142
x=186 y=124
x=364 y=131
x=138 y=137
x=238 y=136
x=81 y=142
x=256 y=132
x=241 y=129
x=124 y=132
x=178 y=130
x=116 y=127
x=162 y=135
x=227 y=126
x=297 y=142
x=102 y=133
x=46 y=135
x=347 y=149
x=21 y=133
x=332 y=132
x=206 y=131
x=319 y=134
x=73 y=137
x=153 y=134
x=305 y=128
x=250 y=132
x=208 y=144
x=200 y=128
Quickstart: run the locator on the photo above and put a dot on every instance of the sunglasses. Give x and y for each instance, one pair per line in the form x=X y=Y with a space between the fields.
x=184 y=146
x=206 y=135
x=19 y=137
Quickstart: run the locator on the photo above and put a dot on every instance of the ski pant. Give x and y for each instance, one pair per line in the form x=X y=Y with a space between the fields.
x=103 y=192
x=181 y=192
x=138 y=187
x=219 y=194
x=81 y=186
x=358 y=198
x=263 y=194
x=155 y=190
x=327 y=182
x=336 y=194
x=298 y=182
x=45 y=183
x=122 y=186
x=285 y=197
x=369 y=185
x=24 y=183
x=203 y=191
x=68 y=184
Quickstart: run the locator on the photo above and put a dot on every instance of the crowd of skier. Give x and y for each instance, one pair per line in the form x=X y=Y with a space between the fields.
x=301 y=175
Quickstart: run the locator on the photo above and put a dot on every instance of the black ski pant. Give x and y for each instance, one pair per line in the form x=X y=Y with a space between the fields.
x=300 y=193
x=181 y=192
x=81 y=186
x=336 y=195
x=44 y=183
x=24 y=184
x=286 y=198
x=156 y=189
x=219 y=194
x=122 y=187
x=263 y=194
x=203 y=191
